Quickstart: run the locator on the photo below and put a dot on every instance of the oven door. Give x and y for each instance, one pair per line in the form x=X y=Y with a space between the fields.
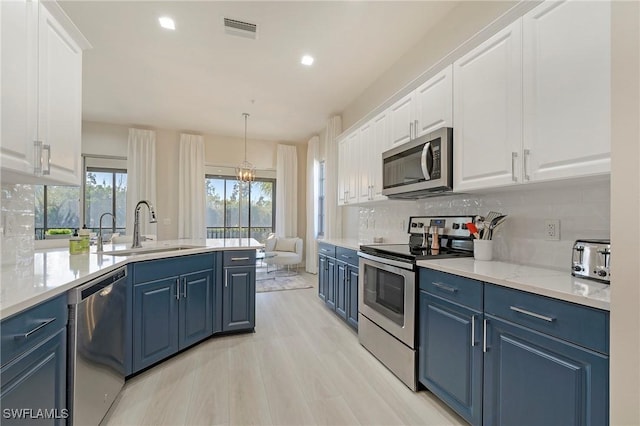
x=387 y=296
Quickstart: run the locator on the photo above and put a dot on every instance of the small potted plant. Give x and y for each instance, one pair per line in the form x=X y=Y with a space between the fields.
x=58 y=233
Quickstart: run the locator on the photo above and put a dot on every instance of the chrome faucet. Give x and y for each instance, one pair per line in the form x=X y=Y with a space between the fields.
x=136 y=220
x=99 y=243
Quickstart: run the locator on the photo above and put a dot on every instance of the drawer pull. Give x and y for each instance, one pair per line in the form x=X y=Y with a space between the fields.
x=532 y=314
x=446 y=287
x=39 y=327
x=235 y=259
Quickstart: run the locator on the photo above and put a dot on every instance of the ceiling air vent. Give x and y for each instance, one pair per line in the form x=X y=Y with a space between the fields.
x=240 y=28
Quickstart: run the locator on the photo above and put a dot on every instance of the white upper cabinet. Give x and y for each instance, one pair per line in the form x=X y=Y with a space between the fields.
x=365 y=150
x=380 y=134
x=487 y=111
x=343 y=179
x=424 y=110
x=434 y=103
x=19 y=20
x=566 y=92
x=352 y=163
x=401 y=120
x=42 y=111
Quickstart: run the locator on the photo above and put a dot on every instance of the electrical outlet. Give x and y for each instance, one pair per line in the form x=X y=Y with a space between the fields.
x=552 y=229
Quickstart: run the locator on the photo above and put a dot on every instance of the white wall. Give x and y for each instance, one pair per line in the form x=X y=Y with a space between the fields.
x=111 y=140
x=625 y=214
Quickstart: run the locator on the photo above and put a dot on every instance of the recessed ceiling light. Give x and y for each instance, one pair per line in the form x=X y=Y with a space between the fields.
x=307 y=60
x=166 y=22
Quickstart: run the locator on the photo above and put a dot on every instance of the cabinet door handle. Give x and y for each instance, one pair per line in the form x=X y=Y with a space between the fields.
x=526 y=164
x=177 y=288
x=445 y=287
x=484 y=335
x=184 y=287
x=226 y=278
x=473 y=330
x=514 y=155
x=37 y=158
x=40 y=326
x=532 y=314
x=237 y=259
x=415 y=128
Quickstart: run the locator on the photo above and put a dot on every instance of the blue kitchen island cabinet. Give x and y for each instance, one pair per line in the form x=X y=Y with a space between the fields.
x=239 y=291
x=34 y=359
x=173 y=302
x=450 y=341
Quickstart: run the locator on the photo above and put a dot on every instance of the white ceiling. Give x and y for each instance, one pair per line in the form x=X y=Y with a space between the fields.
x=200 y=79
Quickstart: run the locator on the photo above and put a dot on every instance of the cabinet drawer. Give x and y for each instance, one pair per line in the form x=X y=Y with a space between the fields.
x=347 y=255
x=581 y=325
x=153 y=270
x=327 y=249
x=464 y=291
x=239 y=258
x=26 y=329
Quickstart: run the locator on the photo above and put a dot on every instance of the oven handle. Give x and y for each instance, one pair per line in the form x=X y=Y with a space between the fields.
x=385 y=261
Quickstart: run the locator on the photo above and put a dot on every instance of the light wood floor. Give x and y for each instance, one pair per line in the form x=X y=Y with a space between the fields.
x=302 y=365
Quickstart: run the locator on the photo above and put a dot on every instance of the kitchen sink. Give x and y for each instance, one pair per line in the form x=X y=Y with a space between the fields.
x=148 y=250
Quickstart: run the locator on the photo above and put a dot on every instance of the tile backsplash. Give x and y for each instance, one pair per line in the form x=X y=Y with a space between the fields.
x=581 y=208
x=16 y=224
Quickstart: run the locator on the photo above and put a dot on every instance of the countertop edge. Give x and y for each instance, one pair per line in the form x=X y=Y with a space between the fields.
x=17 y=307
x=344 y=243
x=518 y=285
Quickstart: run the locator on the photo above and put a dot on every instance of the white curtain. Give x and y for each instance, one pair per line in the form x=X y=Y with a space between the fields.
x=191 y=188
x=333 y=215
x=141 y=177
x=287 y=191
x=312 y=204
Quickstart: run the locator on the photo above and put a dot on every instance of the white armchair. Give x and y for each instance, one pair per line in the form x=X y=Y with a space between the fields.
x=281 y=251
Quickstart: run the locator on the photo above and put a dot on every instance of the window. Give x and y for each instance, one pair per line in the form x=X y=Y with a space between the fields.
x=105 y=191
x=236 y=209
x=321 y=186
x=56 y=207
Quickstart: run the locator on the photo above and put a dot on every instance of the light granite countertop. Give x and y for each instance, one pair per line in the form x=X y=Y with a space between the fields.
x=342 y=242
x=54 y=271
x=546 y=282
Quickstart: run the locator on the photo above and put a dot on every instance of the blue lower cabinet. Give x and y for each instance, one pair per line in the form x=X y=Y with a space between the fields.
x=331 y=283
x=239 y=301
x=155 y=321
x=352 y=296
x=341 y=290
x=196 y=308
x=531 y=378
x=450 y=355
x=34 y=384
x=322 y=277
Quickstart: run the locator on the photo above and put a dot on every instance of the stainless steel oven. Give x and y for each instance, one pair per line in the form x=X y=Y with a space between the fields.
x=387 y=311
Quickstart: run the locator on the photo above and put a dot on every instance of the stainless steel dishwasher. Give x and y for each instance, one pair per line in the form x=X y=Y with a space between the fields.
x=96 y=346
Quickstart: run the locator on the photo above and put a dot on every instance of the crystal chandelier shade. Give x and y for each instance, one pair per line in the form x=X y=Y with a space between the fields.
x=246 y=172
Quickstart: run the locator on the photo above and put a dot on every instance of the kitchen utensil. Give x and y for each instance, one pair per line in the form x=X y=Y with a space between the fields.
x=486 y=235
x=474 y=231
x=494 y=224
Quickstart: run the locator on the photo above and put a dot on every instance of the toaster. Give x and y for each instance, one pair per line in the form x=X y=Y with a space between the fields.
x=592 y=259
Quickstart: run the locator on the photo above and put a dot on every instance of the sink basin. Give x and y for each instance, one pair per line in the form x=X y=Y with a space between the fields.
x=147 y=250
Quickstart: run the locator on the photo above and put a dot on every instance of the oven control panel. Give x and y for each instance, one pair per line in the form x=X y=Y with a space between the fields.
x=454 y=226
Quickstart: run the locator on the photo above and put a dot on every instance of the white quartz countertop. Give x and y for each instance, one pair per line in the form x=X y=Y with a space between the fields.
x=546 y=282
x=54 y=271
x=342 y=242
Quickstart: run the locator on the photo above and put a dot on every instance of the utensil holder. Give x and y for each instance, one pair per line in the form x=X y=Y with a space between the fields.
x=483 y=249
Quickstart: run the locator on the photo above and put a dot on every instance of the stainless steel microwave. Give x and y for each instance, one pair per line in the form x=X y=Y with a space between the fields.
x=419 y=168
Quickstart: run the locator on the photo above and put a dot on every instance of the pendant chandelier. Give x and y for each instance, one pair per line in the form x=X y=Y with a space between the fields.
x=246 y=172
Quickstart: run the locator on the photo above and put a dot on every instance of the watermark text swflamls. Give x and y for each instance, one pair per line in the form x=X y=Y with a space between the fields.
x=35 y=413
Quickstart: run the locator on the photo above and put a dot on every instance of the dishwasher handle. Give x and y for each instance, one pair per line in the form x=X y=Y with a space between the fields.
x=82 y=292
